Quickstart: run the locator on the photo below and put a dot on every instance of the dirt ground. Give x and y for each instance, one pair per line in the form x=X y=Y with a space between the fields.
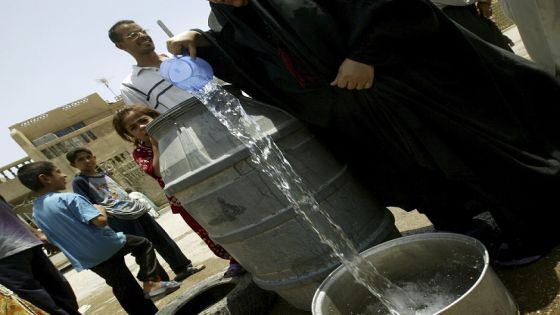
x=535 y=288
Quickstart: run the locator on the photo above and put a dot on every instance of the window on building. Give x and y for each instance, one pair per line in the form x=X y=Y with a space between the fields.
x=75 y=142
x=70 y=129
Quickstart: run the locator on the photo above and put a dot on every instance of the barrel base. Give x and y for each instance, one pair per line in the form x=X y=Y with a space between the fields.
x=222 y=296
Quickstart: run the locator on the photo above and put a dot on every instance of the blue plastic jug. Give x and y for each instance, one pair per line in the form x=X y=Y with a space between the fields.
x=186 y=73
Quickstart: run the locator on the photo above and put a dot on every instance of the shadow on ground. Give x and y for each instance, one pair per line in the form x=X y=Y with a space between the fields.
x=536 y=287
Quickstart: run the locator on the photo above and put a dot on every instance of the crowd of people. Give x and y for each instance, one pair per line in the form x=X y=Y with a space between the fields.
x=424 y=101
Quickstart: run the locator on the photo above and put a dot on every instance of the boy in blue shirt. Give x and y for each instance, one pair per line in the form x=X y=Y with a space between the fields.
x=80 y=230
x=126 y=215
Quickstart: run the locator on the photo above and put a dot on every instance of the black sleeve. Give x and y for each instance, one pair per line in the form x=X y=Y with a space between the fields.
x=223 y=68
x=227 y=67
x=394 y=29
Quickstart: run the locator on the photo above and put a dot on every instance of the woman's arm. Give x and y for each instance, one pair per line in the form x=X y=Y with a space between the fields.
x=155 y=160
x=390 y=25
x=391 y=28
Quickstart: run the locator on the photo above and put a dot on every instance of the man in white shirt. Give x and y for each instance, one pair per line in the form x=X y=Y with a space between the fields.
x=145 y=84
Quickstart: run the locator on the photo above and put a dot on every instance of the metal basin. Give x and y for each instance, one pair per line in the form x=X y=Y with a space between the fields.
x=448 y=269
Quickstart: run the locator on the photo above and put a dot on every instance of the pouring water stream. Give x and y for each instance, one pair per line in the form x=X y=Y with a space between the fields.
x=227 y=109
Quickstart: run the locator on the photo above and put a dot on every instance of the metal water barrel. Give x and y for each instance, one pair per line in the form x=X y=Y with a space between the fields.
x=212 y=174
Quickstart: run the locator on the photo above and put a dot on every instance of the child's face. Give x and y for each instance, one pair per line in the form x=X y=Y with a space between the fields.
x=135 y=124
x=85 y=162
x=54 y=181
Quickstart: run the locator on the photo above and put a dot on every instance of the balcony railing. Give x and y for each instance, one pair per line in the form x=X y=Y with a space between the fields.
x=9 y=172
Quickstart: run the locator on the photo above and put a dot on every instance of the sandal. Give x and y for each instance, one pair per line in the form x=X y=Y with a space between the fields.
x=165 y=288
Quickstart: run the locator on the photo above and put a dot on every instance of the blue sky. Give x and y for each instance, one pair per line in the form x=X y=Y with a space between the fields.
x=54 y=51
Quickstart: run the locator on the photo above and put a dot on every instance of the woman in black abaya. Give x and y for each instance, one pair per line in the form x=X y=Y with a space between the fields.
x=426 y=115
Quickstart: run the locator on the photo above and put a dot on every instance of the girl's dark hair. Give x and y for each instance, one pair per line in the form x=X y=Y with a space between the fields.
x=28 y=174
x=118 y=120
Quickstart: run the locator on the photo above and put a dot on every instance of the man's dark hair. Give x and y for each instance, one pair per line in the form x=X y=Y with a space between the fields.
x=28 y=174
x=71 y=156
x=113 y=35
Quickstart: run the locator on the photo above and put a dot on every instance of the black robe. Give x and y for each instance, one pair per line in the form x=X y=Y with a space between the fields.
x=452 y=125
x=470 y=18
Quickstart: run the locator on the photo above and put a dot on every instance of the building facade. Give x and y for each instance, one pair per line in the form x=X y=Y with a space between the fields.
x=86 y=122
